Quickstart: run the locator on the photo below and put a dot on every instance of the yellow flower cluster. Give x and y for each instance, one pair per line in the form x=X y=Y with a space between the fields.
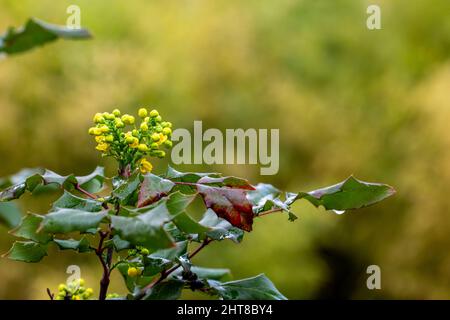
x=74 y=291
x=131 y=147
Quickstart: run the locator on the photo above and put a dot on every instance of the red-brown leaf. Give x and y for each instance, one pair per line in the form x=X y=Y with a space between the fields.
x=229 y=204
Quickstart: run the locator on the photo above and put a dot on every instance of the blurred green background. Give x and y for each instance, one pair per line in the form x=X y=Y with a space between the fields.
x=347 y=101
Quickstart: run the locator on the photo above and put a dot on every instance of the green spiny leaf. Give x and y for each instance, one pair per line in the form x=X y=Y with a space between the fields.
x=28 y=229
x=255 y=288
x=37 y=33
x=28 y=251
x=69 y=220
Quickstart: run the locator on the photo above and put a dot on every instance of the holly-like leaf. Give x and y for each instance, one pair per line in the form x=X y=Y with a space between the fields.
x=229 y=204
x=10 y=214
x=48 y=177
x=29 y=229
x=69 y=220
x=152 y=189
x=126 y=191
x=218 y=274
x=36 y=33
x=27 y=251
x=232 y=182
x=19 y=177
x=190 y=177
x=167 y=290
x=347 y=195
x=146 y=229
x=118 y=243
x=171 y=254
x=81 y=245
x=262 y=197
x=188 y=225
x=93 y=182
x=255 y=288
x=71 y=201
x=220 y=229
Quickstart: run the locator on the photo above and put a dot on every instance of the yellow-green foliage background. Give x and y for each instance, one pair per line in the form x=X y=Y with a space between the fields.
x=347 y=101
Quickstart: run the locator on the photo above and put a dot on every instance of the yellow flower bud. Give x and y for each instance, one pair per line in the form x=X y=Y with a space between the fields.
x=62 y=287
x=154 y=113
x=95 y=131
x=135 y=143
x=133 y=272
x=155 y=137
x=145 y=252
x=144 y=127
x=100 y=139
x=102 y=147
x=116 y=112
x=109 y=116
x=142 y=147
x=135 y=132
x=154 y=145
x=119 y=123
x=162 y=139
x=158 y=119
x=98 y=118
x=168 y=144
x=145 y=166
x=127 y=119
x=76 y=297
x=146 y=119
x=142 y=112
x=129 y=139
x=109 y=138
x=88 y=293
x=161 y=154
x=104 y=129
x=81 y=282
x=167 y=131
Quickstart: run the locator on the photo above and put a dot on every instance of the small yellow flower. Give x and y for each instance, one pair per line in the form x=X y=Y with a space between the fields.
x=133 y=272
x=135 y=143
x=145 y=166
x=95 y=131
x=98 y=118
x=154 y=113
x=168 y=144
x=100 y=139
x=167 y=131
x=127 y=119
x=162 y=139
x=104 y=129
x=156 y=137
x=108 y=116
x=109 y=138
x=144 y=127
x=76 y=297
x=119 y=123
x=116 y=112
x=62 y=287
x=102 y=147
x=142 y=147
x=142 y=112
x=88 y=293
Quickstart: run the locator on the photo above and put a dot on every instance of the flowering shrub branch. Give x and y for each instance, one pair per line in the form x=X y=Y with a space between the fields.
x=147 y=216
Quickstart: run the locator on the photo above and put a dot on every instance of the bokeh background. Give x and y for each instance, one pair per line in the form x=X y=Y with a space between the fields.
x=347 y=100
